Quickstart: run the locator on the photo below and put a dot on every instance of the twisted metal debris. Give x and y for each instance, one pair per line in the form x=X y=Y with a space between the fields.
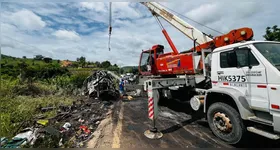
x=101 y=85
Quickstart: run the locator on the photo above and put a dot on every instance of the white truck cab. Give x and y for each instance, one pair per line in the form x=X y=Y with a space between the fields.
x=245 y=87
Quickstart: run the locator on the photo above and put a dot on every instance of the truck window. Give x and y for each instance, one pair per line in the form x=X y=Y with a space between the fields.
x=271 y=51
x=238 y=58
x=145 y=57
x=228 y=59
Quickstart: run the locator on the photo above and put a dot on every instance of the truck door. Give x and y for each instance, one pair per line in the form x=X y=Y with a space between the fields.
x=240 y=69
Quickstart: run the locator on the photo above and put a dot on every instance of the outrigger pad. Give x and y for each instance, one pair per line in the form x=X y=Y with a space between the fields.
x=153 y=134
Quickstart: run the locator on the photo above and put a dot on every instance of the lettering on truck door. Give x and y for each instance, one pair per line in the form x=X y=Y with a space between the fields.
x=234 y=72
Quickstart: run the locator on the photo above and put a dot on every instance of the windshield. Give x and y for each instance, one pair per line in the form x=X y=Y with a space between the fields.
x=271 y=51
x=144 y=61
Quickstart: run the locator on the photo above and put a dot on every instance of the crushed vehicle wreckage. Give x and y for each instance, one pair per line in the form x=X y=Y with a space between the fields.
x=101 y=84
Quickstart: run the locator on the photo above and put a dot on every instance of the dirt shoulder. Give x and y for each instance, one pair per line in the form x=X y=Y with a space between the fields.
x=108 y=133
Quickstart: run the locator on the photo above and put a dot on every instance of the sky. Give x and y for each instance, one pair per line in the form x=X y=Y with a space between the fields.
x=67 y=30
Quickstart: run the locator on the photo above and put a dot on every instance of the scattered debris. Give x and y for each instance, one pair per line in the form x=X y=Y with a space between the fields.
x=15 y=143
x=43 y=122
x=129 y=97
x=85 y=129
x=66 y=126
x=47 y=109
x=60 y=142
x=27 y=135
x=81 y=120
x=40 y=116
x=4 y=140
x=70 y=128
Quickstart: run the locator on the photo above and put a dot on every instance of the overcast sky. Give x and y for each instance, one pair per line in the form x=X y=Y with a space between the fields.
x=72 y=29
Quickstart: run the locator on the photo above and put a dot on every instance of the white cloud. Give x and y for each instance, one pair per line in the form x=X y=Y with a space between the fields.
x=67 y=35
x=26 y=20
x=205 y=14
x=134 y=28
x=97 y=6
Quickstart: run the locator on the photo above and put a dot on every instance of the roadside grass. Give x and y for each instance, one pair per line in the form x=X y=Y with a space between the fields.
x=20 y=103
x=16 y=110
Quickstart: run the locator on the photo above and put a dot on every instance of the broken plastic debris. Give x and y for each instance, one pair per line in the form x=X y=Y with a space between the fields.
x=129 y=97
x=15 y=143
x=4 y=140
x=43 y=122
x=60 y=142
x=81 y=120
x=66 y=126
x=85 y=129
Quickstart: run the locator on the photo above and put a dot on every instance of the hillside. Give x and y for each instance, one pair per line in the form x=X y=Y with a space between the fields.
x=131 y=69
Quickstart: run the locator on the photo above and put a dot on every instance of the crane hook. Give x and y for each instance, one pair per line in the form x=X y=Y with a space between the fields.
x=110 y=25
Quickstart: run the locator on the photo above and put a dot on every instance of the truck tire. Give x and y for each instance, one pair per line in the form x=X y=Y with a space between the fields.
x=225 y=122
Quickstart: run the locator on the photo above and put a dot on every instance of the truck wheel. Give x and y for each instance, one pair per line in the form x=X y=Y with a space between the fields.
x=225 y=122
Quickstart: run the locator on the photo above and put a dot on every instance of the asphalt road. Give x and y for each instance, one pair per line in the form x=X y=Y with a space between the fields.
x=180 y=130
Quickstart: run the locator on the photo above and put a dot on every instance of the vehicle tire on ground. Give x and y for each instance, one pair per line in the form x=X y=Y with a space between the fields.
x=225 y=122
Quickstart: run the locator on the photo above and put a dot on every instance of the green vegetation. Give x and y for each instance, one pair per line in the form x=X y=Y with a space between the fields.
x=130 y=69
x=272 y=33
x=28 y=84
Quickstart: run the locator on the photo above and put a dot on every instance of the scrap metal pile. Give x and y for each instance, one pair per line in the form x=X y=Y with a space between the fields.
x=101 y=84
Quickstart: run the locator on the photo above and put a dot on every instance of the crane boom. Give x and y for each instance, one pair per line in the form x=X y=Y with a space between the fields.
x=187 y=29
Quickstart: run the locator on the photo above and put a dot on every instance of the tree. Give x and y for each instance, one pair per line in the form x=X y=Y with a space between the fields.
x=38 y=57
x=105 y=64
x=23 y=67
x=97 y=64
x=135 y=70
x=24 y=57
x=82 y=61
x=75 y=64
x=121 y=71
x=130 y=70
x=272 y=33
x=88 y=63
x=47 y=59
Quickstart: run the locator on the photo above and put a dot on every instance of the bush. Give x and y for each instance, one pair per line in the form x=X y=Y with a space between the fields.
x=78 y=79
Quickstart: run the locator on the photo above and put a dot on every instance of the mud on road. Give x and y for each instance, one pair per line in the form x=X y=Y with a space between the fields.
x=125 y=127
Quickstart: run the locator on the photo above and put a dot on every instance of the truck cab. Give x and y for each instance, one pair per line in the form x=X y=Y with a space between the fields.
x=246 y=78
x=147 y=63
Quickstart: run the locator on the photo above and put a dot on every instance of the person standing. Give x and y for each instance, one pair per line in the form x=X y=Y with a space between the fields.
x=121 y=87
x=208 y=61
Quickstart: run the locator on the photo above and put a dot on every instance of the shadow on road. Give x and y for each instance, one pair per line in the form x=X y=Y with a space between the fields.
x=178 y=126
x=251 y=140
